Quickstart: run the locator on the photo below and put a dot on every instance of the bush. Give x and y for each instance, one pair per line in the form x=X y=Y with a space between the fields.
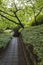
x=4 y=39
x=34 y=36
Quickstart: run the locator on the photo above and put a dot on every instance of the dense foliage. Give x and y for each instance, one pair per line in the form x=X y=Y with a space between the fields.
x=4 y=39
x=34 y=36
x=13 y=13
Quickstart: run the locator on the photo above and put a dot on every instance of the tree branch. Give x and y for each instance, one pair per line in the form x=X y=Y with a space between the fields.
x=7 y=13
x=39 y=11
x=17 y=16
x=12 y=21
x=15 y=11
x=8 y=19
x=19 y=21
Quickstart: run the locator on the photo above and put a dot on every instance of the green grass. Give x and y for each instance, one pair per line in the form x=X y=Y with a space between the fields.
x=4 y=39
x=34 y=35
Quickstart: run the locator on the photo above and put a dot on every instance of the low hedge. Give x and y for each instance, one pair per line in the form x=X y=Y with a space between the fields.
x=34 y=36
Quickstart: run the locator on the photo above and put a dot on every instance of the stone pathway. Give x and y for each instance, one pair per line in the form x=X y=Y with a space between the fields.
x=12 y=55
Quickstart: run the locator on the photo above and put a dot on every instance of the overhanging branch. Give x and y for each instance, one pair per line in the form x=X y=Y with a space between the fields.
x=12 y=21
x=9 y=19
x=39 y=11
x=7 y=13
x=15 y=11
